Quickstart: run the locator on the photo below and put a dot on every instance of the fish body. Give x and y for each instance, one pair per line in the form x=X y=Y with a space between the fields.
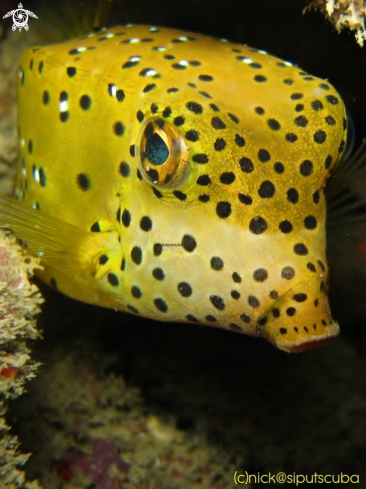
x=179 y=177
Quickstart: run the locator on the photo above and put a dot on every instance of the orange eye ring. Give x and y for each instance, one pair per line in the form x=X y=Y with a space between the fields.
x=162 y=155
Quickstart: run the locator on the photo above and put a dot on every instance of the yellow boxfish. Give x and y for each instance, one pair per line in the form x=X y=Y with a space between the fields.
x=179 y=177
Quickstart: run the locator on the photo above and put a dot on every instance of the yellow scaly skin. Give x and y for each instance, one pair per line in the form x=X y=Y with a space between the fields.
x=229 y=229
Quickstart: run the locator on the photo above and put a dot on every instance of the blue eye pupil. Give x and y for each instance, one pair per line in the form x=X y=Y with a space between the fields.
x=157 y=151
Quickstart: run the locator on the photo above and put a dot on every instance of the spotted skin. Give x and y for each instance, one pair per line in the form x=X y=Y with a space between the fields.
x=181 y=178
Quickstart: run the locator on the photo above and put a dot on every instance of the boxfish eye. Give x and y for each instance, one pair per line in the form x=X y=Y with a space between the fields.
x=161 y=154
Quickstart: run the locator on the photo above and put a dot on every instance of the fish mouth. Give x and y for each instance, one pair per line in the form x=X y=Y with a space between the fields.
x=297 y=326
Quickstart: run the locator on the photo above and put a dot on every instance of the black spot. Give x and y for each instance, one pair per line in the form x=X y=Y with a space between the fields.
x=235 y=294
x=288 y=273
x=330 y=120
x=71 y=71
x=85 y=102
x=291 y=311
x=64 y=116
x=192 y=135
x=258 y=225
x=299 y=107
x=219 y=144
x=205 y=94
x=285 y=226
x=118 y=128
x=138 y=173
x=132 y=150
x=324 y=86
x=332 y=99
x=239 y=140
x=223 y=209
x=217 y=302
x=161 y=304
x=217 y=123
x=227 y=177
x=180 y=195
x=126 y=218
x=306 y=168
x=233 y=118
x=296 y=96
x=263 y=155
x=316 y=197
x=283 y=330
x=136 y=292
x=189 y=243
x=136 y=255
x=178 y=66
x=46 y=97
x=235 y=327
x=42 y=177
x=113 y=279
x=123 y=264
x=41 y=66
x=120 y=95
x=317 y=105
x=299 y=297
x=276 y=313
x=83 y=181
x=300 y=249
x=154 y=108
x=205 y=78
x=158 y=249
x=260 y=78
x=273 y=294
x=214 y=108
x=311 y=267
x=292 y=195
x=236 y=277
x=158 y=194
x=310 y=222
x=278 y=167
x=260 y=275
x=95 y=228
x=146 y=223
x=301 y=121
x=140 y=116
x=149 y=87
x=132 y=309
x=169 y=56
x=124 y=169
x=203 y=180
x=173 y=90
x=200 y=158
x=217 y=263
x=179 y=121
x=158 y=273
x=246 y=164
x=184 y=289
x=259 y=110
x=274 y=125
x=130 y=64
x=190 y=317
x=291 y=137
x=253 y=301
x=245 y=199
x=288 y=81
x=321 y=265
x=266 y=190
x=320 y=137
x=211 y=318
x=194 y=107
x=103 y=259
x=245 y=318
x=30 y=146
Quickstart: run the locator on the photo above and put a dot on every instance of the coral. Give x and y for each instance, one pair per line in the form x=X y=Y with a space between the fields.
x=19 y=303
x=349 y=14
